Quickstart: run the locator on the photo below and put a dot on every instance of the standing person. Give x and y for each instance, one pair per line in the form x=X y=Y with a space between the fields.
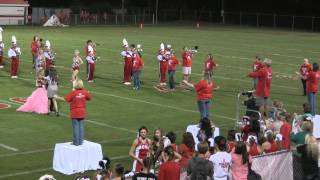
x=14 y=53
x=169 y=169
x=86 y=53
x=49 y=56
x=137 y=66
x=35 y=46
x=200 y=167
x=127 y=67
x=262 y=93
x=145 y=173
x=305 y=68
x=163 y=64
x=140 y=149
x=172 y=63
x=221 y=160
x=186 y=64
x=37 y=102
x=210 y=65
x=91 y=63
x=240 y=162
x=77 y=99
x=285 y=129
x=256 y=66
x=52 y=89
x=40 y=61
x=312 y=87
x=204 y=89
x=76 y=61
x=1 y=49
x=186 y=149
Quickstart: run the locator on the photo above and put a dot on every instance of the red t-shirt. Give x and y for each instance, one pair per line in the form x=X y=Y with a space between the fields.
x=204 y=90
x=186 y=154
x=254 y=150
x=172 y=63
x=305 y=69
x=34 y=47
x=209 y=64
x=169 y=170
x=312 y=81
x=264 y=76
x=187 y=59
x=77 y=100
x=273 y=147
x=285 y=131
x=137 y=64
x=257 y=65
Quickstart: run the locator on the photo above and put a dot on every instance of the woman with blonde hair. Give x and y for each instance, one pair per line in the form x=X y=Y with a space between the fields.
x=77 y=99
x=76 y=61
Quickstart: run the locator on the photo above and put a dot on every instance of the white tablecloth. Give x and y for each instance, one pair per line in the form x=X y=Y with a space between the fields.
x=69 y=159
x=316 y=126
x=194 y=129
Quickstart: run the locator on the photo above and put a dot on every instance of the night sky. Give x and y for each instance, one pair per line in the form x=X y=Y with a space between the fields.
x=292 y=7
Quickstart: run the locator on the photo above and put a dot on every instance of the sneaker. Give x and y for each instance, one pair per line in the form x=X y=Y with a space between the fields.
x=1 y=67
x=57 y=114
x=127 y=83
x=90 y=81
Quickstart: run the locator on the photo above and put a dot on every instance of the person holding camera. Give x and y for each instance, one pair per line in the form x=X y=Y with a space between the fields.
x=262 y=92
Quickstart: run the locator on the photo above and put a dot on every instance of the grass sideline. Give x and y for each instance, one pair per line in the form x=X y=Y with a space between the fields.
x=116 y=111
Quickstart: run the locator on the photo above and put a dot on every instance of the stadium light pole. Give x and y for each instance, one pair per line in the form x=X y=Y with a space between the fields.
x=157 y=6
x=222 y=11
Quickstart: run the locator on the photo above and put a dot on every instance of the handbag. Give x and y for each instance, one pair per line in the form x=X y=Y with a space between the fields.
x=252 y=175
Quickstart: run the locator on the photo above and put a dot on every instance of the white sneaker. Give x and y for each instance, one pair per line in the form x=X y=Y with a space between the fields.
x=90 y=81
x=14 y=77
x=1 y=67
x=127 y=83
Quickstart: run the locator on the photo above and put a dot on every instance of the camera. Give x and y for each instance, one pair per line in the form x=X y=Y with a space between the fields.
x=248 y=93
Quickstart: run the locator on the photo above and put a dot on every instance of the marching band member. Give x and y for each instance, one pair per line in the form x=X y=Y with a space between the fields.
x=137 y=66
x=49 y=56
x=127 y=69
x=163 y=64
x=186 y=63
x=210 y=65
x=1 y=49
x=86 y=52
x=35 y=46
x=14 y=53
x=172 y=63
x=40 y=61
x=76 y=61
x=91 y=63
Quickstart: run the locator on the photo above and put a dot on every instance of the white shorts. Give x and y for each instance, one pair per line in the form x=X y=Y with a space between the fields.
x=186 y=70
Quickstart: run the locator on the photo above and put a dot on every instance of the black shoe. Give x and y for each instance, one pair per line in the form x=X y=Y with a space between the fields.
x=57 y=114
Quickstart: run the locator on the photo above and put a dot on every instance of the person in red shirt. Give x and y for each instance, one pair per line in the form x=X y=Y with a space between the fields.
x=257 y=64
x=35 y=46
x=172 y=63
x=262 y=93
x=137 y=66
x=140 y=149
x=305 y=68
x=312 y=87
x=210 y=65
x=186 y=64
x=186 y=149
x=204 y=89
x=169 y=169
x=77 y=99
x=285 y=129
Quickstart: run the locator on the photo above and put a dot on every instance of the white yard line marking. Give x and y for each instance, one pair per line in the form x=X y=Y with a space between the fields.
x=47 y=169
x=8 y=147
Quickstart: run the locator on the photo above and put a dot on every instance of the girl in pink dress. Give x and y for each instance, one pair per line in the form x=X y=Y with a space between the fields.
x=37 y=102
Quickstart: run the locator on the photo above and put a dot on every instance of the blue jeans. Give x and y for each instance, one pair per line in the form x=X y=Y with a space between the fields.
x=78 y=131
x=204 y=106
x=136 y=79
x=171 y=79
x=312 y=100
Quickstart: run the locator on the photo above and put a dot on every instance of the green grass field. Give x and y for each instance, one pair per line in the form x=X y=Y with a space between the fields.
x=116 y=111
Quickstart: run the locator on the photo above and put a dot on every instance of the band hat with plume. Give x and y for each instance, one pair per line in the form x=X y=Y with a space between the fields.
x=267 y=61
x=48 y=44
x=13 y=39
x=162 y=47
x=125 y=43
x=1 y=30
